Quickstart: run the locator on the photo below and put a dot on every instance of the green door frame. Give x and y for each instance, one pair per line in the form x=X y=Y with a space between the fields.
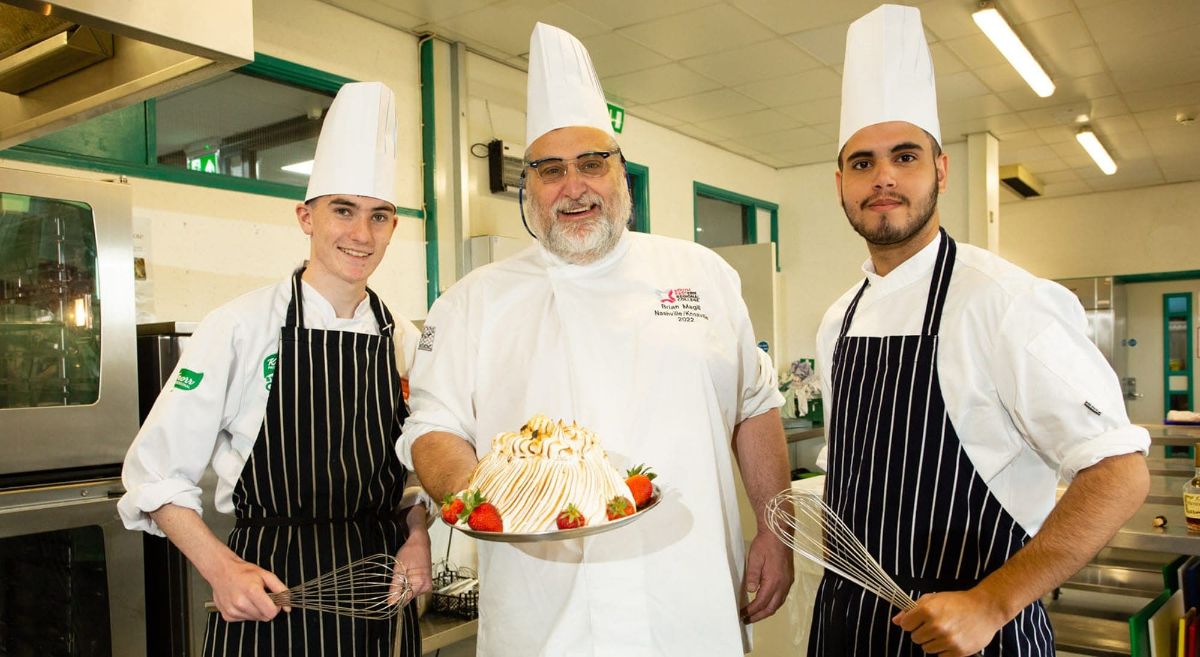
x=640 y=193
x=1188 y=362
x=750 y=208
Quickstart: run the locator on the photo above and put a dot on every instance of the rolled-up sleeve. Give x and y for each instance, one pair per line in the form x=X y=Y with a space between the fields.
x=442 y=379
x=1060 y=392
x=178 y=438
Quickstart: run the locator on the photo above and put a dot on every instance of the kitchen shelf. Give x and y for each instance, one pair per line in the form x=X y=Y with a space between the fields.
x=440 y=630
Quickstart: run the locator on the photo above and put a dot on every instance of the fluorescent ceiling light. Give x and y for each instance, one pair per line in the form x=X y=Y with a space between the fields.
x=302 y=168
x=1092 y=145
x=997 y=29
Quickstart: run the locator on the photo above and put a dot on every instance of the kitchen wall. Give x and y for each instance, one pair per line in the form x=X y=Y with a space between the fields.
x=1135 y=231
x=1144 y=323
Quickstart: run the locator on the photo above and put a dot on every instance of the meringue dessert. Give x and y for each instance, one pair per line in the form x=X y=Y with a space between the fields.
x=532 y=475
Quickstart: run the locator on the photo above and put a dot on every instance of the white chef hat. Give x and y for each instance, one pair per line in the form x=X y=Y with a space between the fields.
x=563 y=87
x=888 y=73
x=356 y=152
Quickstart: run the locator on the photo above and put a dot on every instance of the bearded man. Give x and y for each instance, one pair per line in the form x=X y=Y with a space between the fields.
x=646 y=341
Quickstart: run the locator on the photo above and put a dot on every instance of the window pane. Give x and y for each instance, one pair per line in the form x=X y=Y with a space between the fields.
x=49 y=303
x=719 y=223
x=242 y=126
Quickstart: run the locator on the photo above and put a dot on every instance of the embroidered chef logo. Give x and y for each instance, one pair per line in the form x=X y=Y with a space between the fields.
x=269 y=369
x=426 y=343
x=187 y=379
x=682 y=303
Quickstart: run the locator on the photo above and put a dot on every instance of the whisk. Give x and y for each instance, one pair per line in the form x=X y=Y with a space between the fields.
x=806 y=524
x=372 y=588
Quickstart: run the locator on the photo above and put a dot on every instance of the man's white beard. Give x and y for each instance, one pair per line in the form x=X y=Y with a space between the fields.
x=586 y=241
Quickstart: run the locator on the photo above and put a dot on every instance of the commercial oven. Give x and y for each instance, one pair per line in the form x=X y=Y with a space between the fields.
x=71 y=577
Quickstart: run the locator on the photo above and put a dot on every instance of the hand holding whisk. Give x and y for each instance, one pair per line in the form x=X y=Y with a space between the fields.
x=806 y=524
x=373 y=588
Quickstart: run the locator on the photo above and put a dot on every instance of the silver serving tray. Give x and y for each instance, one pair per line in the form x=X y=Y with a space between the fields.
x=562 y=534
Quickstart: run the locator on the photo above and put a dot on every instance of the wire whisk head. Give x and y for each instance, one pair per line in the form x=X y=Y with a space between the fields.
x=806 y=524
x=374 y=588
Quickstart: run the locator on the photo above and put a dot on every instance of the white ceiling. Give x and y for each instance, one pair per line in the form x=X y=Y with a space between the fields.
x=762 y=77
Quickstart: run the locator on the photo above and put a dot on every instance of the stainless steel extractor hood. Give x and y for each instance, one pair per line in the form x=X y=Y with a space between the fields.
x=65 y=62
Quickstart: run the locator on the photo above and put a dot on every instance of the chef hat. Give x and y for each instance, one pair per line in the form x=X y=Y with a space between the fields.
x=356 y=153
x=563 y=87
x=888 y=73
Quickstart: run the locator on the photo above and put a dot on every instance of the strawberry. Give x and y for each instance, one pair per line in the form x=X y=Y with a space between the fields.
x=638 y=479
x=570 y=518
x=452 y=508
x=483 y=516
x=619 y=507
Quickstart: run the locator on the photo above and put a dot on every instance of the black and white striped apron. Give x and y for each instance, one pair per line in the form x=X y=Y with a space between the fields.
x=898 y=476
x=322 y=486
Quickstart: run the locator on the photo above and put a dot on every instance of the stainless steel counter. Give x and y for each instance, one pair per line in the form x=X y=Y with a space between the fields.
x=439 y=630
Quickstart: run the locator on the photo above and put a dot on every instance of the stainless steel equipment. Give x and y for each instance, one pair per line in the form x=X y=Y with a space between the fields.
x=1103 y=301
x=175 y=591
x=70 y=573
x=67 y=396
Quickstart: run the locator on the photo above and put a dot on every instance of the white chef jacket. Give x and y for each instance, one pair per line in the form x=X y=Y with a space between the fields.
x=1016 y=369
x=218 y=419
x=652 y=348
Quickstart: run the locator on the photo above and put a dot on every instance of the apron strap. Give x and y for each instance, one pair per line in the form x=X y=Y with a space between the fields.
x=939 y=284
x=295 y=309
x=383 y=317
x=849 y=316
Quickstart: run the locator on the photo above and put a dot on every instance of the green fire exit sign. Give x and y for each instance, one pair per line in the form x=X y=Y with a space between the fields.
x=616 y=114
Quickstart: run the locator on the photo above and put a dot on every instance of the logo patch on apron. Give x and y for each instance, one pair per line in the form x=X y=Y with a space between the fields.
x=426 y=343
x=187 y=379
x=269 y=369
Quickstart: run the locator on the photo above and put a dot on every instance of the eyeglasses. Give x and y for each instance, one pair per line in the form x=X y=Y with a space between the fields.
x=554 y=169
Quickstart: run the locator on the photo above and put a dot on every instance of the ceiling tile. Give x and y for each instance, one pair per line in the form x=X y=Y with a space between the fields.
x=707 y=105
x=945 y=62
x=613 y=54
x=1168 y=118
x=959 y=85
x=1110 y=106
x=658 y=118
x=1023 y=11
x=1075 y=62
x=1001 y=77
x=827 y=44
x=735 y=146
x=1044 y=168
x=1179 y=168
x=1021 y=140
x=1060 y=176
x=1132 y=18
x=773 y=162
x=795 y=89
x=971 y=108
x=976 y=51
x=438 y=10
x=1063 y=30
x=506 y=26
x=657 y=84
x=699 y=32
x=1045 y=117
x=698 y=133
x=821 y=110
x=949 y=19
x=1067 y=189
x=1170 y=58
x=814 y=155
x=382 y=12
x=784 y=140
x=1174 y=142
x=620 y=13
x=1055 y=134
x=750 y=124
x=760 y=61
x=785 y=16
x=1181 y=96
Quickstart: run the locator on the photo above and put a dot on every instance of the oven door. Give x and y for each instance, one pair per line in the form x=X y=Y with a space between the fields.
x=71 y=576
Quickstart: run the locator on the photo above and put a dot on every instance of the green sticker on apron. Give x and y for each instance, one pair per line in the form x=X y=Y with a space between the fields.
x=269 y=368
x=187 y=379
